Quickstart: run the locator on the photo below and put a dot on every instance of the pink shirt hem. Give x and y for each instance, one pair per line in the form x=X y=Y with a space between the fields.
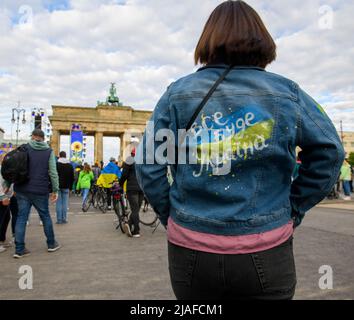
x=228 y=244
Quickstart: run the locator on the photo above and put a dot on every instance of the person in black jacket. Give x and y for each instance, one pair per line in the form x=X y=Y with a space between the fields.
x=135 y=196
x=66 y=180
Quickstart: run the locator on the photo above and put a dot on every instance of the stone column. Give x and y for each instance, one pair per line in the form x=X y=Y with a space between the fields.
x=55 y=142
x=98 y=147
x=122 y=153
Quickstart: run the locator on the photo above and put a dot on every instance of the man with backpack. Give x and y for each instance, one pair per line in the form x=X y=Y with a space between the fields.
x=32 y=169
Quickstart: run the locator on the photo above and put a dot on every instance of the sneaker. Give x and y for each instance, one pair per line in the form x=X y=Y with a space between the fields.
x=54 y=247
x=127 y=230
x=25 y=253
x=6 y=244
x=2 y=249
x=137 y=235
x=109 y=208
x=347 y=198
x=41 y=223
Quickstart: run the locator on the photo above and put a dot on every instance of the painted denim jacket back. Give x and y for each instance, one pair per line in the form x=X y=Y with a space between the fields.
x=241 y=182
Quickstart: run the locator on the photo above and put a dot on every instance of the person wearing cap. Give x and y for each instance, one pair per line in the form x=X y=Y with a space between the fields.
x=43 y=182
x=110 y=173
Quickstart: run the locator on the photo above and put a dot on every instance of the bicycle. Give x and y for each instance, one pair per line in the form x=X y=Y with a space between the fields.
x=97 y=197
x=101 y=198
x=120 y=206
x=122 y=209
x=91 y=199
x=148 y=217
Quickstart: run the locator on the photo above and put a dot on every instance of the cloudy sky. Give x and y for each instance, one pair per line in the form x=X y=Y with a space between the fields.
x=67 y=52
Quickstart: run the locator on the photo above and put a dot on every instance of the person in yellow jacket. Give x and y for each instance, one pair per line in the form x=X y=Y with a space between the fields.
x=110 y=173
x=84 y=183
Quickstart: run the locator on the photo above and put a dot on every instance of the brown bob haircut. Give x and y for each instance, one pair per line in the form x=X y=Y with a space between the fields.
x=235 y=35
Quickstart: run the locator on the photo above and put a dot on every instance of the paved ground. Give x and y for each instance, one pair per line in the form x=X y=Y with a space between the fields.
x=98 y=262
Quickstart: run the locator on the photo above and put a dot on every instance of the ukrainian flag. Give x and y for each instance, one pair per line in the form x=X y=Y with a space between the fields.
x=108 y=175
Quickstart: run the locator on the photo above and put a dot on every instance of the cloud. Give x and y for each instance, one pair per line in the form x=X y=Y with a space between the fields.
x=73 y=49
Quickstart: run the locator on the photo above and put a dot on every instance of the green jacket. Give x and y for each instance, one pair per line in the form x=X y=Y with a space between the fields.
x=345 y=172
x=84 y=180
x=53 y=173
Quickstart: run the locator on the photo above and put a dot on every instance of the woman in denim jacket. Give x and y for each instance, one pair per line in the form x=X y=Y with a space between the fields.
x=232 y=207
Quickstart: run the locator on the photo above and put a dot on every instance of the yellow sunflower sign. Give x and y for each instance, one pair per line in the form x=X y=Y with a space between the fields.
x=76 y=152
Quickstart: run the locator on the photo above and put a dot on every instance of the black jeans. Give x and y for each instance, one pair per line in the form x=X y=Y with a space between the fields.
x=109 y=197
x=266 y=275
x=7 y=212
x=135 y=199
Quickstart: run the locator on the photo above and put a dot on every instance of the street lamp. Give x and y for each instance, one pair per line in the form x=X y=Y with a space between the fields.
x=37 y=117
x=14 y=120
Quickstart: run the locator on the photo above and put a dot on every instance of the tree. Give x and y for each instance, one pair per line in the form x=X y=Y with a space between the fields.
x=351 y=159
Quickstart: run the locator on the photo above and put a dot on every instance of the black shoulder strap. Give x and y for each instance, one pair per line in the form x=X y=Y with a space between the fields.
x=24 y=147
x=207 y=97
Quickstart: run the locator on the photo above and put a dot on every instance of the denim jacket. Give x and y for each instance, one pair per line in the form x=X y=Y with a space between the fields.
x=263 y=117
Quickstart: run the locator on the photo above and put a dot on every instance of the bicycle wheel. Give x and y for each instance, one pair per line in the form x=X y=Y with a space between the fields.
x=120 y=212
x=87 y=203
x=102 y=201
x=95 y=199
x=148 y=218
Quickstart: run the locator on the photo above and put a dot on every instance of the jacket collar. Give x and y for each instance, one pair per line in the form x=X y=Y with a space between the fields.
x=224 y=66
x=63 y=161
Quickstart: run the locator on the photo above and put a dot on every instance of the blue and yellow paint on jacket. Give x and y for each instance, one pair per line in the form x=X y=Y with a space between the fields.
x=247 y=129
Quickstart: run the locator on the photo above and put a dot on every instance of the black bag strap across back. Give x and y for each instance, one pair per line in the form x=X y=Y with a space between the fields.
x=207 y=97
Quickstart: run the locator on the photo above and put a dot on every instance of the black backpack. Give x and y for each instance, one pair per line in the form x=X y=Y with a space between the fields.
x=14 y=167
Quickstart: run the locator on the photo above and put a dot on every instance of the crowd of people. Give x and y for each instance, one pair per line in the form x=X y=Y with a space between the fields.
x=55 y=178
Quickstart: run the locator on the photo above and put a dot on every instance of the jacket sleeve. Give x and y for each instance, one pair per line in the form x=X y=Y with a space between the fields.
x=78 y=185
x=72 y=177
x=152 y=174
x=321 y=157
x=341 y=173
x=53 y=173
x=125 y=174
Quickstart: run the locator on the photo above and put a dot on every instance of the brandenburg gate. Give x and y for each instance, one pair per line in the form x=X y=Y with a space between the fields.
x=110 y=119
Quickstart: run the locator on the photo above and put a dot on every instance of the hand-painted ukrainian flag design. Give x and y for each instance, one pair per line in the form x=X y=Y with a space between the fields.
x=108 y=175
x=236 y=136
